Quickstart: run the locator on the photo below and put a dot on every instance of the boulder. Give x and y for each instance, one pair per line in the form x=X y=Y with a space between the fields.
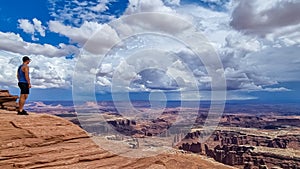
x=4 y=94
x=8 y=101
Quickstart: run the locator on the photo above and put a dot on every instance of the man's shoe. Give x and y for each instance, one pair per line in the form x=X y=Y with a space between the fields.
x=23 y=112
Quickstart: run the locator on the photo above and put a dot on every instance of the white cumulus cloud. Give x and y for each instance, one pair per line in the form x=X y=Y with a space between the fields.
x=33 y=28
x=14 y=43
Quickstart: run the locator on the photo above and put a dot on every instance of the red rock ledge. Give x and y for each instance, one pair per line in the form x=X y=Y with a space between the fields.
x=46 y=141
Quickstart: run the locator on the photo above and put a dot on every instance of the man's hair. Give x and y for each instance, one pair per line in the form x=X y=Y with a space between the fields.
x=25 y=58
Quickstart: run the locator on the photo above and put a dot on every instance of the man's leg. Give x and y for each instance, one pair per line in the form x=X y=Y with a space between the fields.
x=22 y=100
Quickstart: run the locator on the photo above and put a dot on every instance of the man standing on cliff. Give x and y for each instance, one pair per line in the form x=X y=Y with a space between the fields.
x=24 y=84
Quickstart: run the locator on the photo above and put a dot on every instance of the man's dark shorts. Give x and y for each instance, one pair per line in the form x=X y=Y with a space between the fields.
x=24 y=87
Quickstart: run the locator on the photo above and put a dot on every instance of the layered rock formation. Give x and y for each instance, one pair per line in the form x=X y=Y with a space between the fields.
x=247 y=151
x=245 y=155
x=8 y=101
x=253 y=121
x=191 y=147
x=238 y=138
x=46 y=141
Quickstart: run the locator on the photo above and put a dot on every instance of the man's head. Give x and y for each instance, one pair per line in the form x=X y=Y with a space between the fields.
x=26 y=59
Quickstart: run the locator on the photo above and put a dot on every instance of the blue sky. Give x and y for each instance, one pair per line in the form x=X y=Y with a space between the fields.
x=11 y=13
x=257 y=42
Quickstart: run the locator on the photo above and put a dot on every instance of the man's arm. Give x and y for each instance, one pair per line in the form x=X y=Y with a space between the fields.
x=26 y=71
x=18 y=77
